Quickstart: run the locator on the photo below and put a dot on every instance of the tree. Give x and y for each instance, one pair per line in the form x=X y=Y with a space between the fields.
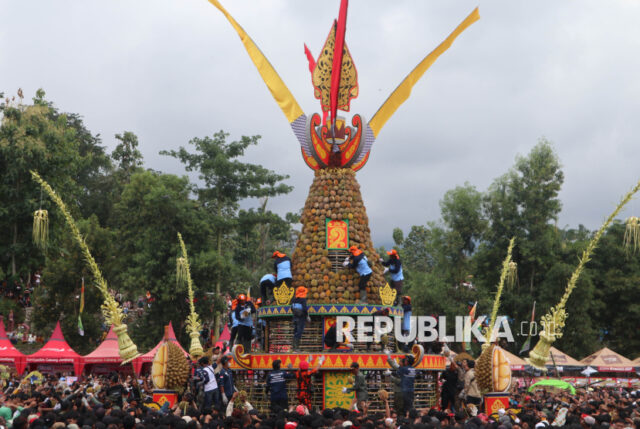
x=35 y=137
x=127 y=155
x=227 y=181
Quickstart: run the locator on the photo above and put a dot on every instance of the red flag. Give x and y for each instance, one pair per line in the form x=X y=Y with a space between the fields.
x=341 y=28
x=312 y=61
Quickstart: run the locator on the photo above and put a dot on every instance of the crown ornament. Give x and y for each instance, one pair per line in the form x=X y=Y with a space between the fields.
x=283 y=294
x=388 y=295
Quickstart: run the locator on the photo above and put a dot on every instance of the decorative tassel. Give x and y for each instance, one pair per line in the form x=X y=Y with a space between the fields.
x=553 y=322
x=110 y=308
x=41 y=228
x=496 y=301
x=512 y=274
x=632 y=234
x=183 y=273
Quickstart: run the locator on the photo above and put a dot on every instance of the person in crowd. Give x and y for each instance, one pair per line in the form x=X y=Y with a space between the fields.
x=358 y=261
x=206 y=380
x=282 y=267
x=267 y=283
x=303 y=378
x=359 y=388
x=449 y=387
x=394 y=267
x=233 y=323
x=300 y=315
x=471 y=392
x=244 y=315
x=407 y=374
x=225 y=380
x=276 y=387
x=406 y=320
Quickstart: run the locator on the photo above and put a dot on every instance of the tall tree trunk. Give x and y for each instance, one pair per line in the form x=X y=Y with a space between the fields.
x=13 y=248
x=216 y=325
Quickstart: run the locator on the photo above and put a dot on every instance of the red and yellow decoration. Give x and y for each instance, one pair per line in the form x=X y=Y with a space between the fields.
x=495 y=401
x=333 y=361
x=335 y=82
x=162 y=396
x=337 y=234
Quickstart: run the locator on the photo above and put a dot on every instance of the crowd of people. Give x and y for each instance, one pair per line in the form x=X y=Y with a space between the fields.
x=114 y=402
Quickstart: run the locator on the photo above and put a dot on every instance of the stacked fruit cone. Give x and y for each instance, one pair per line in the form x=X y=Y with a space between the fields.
x=170 y=369
x=335 y=195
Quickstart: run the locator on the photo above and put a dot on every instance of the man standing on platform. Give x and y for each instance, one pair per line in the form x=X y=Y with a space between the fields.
x=407 y=375
x=245 y=321
x=359 y=387
x=394 y=266
x=267 y=283
x=358 y=261
x=276 y=387
x=282 y=267
x=300 y=316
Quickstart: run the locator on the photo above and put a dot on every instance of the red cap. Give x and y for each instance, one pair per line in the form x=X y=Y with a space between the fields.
x=304 y=365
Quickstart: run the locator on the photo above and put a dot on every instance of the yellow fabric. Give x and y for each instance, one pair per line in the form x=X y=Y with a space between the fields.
x=279 y=90
x=402 y=92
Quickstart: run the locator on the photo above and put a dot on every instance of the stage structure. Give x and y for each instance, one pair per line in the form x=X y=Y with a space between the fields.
x=334 y=219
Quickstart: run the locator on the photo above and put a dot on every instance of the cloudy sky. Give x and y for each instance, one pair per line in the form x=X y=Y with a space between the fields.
x=171 y=70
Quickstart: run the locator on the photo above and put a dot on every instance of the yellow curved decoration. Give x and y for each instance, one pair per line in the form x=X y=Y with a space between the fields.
x=278 y=89
x=402 y=92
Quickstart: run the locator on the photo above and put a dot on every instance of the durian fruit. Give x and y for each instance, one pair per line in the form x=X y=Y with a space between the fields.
x=334 y=195
x=492 y=370
x=169 y=369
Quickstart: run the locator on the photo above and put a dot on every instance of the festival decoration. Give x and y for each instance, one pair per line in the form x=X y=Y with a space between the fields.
x=553 y=322
x=495 y=375
x=388 y=295
x=170 y=369
x=41 y=228
x=335 y=90
x=283 y=294
x=111 y=310
x=183 y=274
x=632 y=233
x=334 y=194
x=492 y=366
x=512 y=274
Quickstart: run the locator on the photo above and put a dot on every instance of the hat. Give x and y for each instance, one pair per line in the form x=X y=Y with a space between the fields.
x=347 y=424
x=407 y=297
x=301 y=292
x=589 y=420
x=291 y=425
x=259 y=301
x=278 y=254
x=393 y=253
x=304 y=365
x=388 y=422
x=300 y=410
x=501 y=412
x=354 y=250
x=242 y=297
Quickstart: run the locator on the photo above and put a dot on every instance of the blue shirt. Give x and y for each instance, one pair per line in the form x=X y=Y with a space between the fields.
x=247 y=320
x=277 y=384
x=395 y=268
x=268 y=278
x=406 y=318
x=283 y=267
x=234 y=321
x=225 y=379
x=407 y=378
x=359 y=263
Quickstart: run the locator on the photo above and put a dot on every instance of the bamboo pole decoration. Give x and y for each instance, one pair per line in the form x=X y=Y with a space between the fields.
x=41 y=228
x=553 y=322
x=183 y=273
x=111 y=310
x=496 y=302
x=512 y=275
x=632 y=234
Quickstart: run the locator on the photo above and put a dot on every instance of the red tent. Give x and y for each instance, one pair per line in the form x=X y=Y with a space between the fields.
x=170 y=335
x=225 y=336
x=57 y=351
x=8 y=352
x=107 y=352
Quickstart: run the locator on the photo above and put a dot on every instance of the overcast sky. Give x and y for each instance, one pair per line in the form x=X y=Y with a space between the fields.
x=173 y=70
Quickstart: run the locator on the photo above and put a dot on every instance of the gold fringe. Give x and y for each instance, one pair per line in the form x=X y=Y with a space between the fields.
x=632 y=234
x=111 y=310
x=553 y=322
x=41 y=228
x=183 y=272
x=512 y=275
x=496 y=301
